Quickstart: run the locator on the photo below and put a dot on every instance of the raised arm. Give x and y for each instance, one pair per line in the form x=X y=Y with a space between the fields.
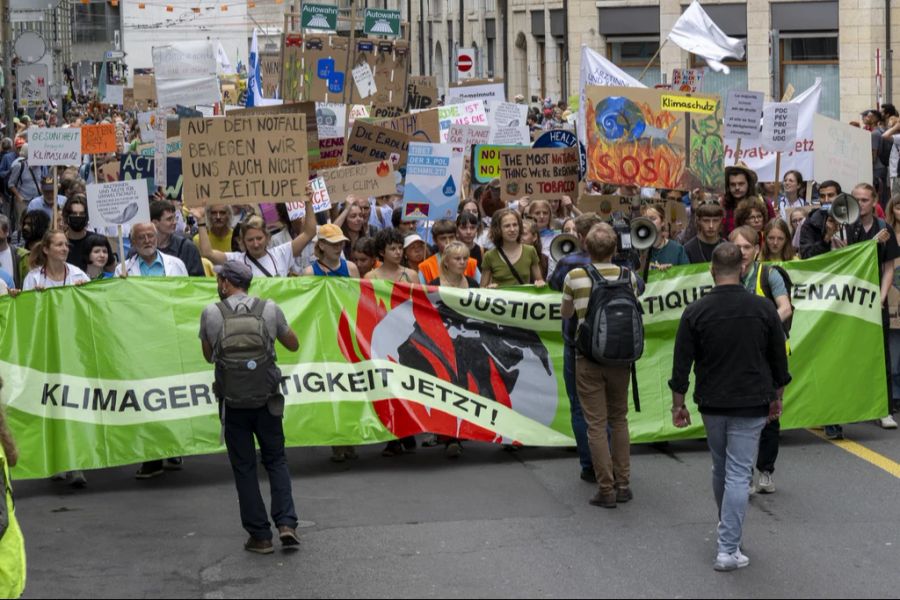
x=309 y=229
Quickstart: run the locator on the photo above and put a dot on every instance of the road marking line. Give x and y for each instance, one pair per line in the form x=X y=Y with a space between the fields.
x=858 y=450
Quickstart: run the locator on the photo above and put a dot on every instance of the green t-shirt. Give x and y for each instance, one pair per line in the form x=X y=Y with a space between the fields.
x=499 y=270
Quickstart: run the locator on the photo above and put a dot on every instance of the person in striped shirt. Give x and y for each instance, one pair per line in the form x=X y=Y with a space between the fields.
x=602 y=389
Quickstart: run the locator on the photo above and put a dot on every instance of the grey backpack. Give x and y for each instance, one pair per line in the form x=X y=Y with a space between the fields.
x=246 y=374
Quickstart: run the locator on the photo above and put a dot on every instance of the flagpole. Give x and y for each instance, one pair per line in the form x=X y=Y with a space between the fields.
x=655 y=56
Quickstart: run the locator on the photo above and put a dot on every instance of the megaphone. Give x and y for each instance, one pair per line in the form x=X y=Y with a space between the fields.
x=643 y=233
x=563 y=245
x=844 y=209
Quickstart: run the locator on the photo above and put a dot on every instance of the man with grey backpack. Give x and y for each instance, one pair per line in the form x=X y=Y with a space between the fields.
x=609 y=339
x=238 y=336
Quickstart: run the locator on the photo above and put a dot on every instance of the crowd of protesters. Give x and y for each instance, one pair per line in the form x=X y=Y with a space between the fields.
x=491 y=243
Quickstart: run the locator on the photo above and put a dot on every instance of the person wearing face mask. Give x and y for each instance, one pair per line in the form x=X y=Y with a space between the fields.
x=75 y=217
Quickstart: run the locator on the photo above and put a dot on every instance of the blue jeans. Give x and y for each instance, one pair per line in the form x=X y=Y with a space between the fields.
x=579 y=425
x=240 y=427
x=733 y=443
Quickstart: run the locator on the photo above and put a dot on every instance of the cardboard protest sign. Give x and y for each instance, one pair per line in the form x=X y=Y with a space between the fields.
x=389 y=63
x=469 y=113
x=368 y=142
x=135 y=166
x=295 y=210
x=843 y=152
x=369 y=179
x=270 y=65
x=779 y=132
x=54 y=146
x=98 y=139
x=314 y=68
x=386 y=112
x=893 y=302
x=466 y=136
x=433 y=175
x=108 y=171
x=486 y=162
x=144 y=88
x=687 y=80
x=476 y=89
x=419 y=127
x=743 y=114
x=607 y=204
x=539 y=173
x=654 y=138
x=313 y=146
x=118 y=203
x=421 y=92
x=331 y=153
x=230 y=94
x=245 y=159
x=357 y=111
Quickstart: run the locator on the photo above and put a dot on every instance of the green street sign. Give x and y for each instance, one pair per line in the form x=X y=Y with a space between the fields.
x=319 y=16
x=382 y=22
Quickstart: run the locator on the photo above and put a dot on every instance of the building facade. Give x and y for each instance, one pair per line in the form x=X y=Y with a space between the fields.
x=536 y=46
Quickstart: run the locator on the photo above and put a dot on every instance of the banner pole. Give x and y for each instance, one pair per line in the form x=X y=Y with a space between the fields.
x=122 y=252
x=737 y=152
x=658 y=50
x=55 y=196
x=777 y=177
x=94 y=160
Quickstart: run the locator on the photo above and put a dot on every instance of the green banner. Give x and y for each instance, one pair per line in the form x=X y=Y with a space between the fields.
x=112 y=373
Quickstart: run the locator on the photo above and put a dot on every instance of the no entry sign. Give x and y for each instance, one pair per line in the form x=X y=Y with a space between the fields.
x=465 y=60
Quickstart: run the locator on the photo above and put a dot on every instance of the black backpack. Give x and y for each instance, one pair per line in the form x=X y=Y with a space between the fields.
x=613 y=330
x=767 y=292
x=246 y=374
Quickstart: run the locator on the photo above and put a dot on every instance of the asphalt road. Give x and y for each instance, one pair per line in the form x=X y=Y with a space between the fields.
x=492 y=524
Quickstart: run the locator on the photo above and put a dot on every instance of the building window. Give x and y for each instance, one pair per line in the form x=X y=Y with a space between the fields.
x=807 y=56
x=720 y=83
x=632 y=56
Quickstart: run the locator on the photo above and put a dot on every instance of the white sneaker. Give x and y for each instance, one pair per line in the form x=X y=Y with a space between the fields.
x=730 y=562
x=766 y=484
x=78 y=479
x=888 y=422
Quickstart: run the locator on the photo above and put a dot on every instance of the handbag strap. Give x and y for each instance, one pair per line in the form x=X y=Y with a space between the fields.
x=510 y=265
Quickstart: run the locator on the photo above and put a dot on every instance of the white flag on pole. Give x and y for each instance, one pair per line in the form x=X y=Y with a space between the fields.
x=224 y=62
x=695 y=32
x=597 y=70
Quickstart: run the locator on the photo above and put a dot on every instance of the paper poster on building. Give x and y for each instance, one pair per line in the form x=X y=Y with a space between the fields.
x=245 y=159
x=843 y=152
x=49 y=147
x=486 y=90
x=468 y=113
x=119 y=203
x=369 y=179
x=331 y=119
x=433 y=176
x=743 y=114
x=539 y=173
x=369 y=142
x=654 y=138
x=779 y=132
x=31 y=84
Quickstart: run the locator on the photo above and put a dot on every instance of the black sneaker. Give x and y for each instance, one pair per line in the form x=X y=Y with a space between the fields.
x=604 y=500
x=588 y=475
x=624 y=495
x=834 y=432
x=173 y=464
x=148 y=471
